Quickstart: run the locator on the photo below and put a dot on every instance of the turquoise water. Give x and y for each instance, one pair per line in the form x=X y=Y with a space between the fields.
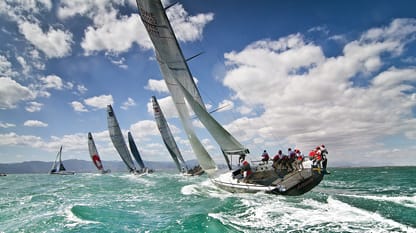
x=348 y=200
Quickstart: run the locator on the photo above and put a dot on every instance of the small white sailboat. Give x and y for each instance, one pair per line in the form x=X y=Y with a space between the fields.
x=178 y=78
x=58 y=167
x=94 y=155
x=170 y=142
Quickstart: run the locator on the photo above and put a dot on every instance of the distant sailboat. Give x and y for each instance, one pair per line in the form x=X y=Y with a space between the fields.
x=58 y=167
x=181 y=86
x=136 y=155
x=118 y=140
x=94 y=155
x=170 y=142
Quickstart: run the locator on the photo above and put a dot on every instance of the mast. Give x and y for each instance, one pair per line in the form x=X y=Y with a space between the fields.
x=167 y=136
x=174 y=69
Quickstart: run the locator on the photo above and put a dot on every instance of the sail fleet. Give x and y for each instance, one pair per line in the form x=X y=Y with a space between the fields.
x=260 y=176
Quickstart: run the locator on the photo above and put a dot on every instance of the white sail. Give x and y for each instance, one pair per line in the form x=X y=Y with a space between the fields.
x=94 y=153
x=118 y=139
x=228 y=144
x=167 y=136
x=174 y=69
x=56 y=163
x=58 y=167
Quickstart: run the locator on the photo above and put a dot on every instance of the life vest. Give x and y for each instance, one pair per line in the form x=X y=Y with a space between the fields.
x=276 y=157
x=312 y=154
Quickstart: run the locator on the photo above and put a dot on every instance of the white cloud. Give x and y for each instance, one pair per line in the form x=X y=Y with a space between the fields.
x=35 y=123
x=82 y=89
x=33 y=106
x=23 y=63
x=225 y=105
x=6 y=125
x=6 y=67
x=108 y=31
x=110 y=34
x=142 y=129
x=78 y=107
x=157 y=85
x=306 y=98
x=52 y=82
x=187 y=28
x=129 y=103
x=99 y=102
x=15 y=139
x=166 y=105
x=11 y=93
x=54 y=43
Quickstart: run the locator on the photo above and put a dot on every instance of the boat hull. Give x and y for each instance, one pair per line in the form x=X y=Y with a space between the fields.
x=293 y=184
x=62 y=173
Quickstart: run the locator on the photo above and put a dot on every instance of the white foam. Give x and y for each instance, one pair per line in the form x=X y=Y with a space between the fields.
x=287 y=214
x=73 y=220
x=407 y=201
x=205 y=188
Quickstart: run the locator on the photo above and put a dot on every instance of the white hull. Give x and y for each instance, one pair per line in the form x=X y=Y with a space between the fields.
x=63 y=173
x=293 y=183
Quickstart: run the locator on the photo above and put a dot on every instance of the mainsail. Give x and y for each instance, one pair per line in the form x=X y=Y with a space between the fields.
x=135 y=151
x=174 y=69
x=118 y=139
x=167 y=136
x=94 y=154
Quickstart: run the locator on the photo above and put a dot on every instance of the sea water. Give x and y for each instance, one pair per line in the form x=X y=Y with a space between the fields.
x=348 y=200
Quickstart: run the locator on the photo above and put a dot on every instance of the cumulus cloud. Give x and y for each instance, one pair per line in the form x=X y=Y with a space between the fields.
x=53 y=43
x=11 y=93
x=142 y=129
x=33 y=106
x=78 y=106
x=99 y=102
x=157 y=85
x=34 y=123
x=186 y=27
x=52 y=82
x=108 y=31
x=6 y=67
x=129 y=103
x=6 y=125
x=307 y=98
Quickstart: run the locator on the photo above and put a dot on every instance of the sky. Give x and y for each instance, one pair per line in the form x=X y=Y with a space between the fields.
x=286 y=73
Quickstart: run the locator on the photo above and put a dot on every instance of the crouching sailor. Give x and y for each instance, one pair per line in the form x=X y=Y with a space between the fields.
x=246 y=170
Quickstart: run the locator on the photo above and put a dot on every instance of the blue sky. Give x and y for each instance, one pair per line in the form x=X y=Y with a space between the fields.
x=291 y=73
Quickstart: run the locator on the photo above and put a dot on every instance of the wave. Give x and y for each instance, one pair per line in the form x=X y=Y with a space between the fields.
x=407 y=201
x=306 y=215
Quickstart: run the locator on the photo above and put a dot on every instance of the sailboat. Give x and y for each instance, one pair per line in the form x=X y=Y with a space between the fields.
x=170 y=142
x=178 y=78
x=58 y=167
x=94 y=155
x=118 y=140
x=136 y=155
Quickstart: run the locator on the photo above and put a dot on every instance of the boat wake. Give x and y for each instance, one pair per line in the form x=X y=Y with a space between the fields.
x=308 y=215
x=206 y=189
